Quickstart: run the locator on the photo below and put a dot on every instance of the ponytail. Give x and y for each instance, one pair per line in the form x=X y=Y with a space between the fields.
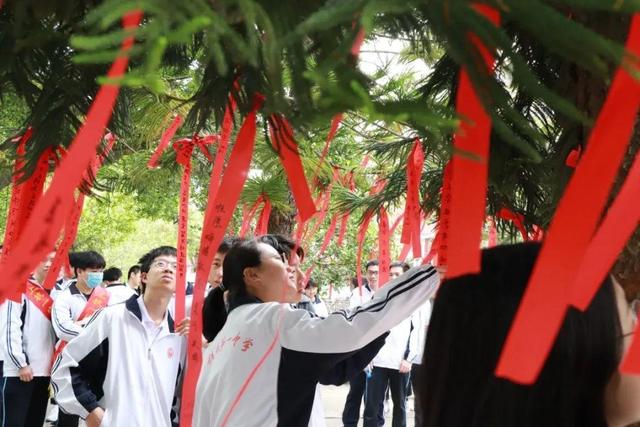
x=214 y=314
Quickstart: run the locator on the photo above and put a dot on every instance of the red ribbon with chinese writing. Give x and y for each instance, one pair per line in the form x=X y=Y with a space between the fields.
x=383 y=246
x=442 y=238
x=469 y=175
x=40 y=298
x=55 y=205
x=411 y=224
x=61 y=258
x=545 y=301
x=362 y=233
x=284 y=143
x=217 y=216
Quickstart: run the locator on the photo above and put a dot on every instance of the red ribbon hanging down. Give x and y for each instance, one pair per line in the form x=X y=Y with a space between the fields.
x=14 y=214
x=442 y=237
x=545 y=301
x=433 y=250
x=263 y=221
x=492 y=240
x=384 y=257
x=330 y=232
x=469 y=175
x=411 y=224
x=247 y=217
x=285 y=144
x=184 y=149
x=52 y=209
x=362 y=233
x=345 y=216
x=61 y=258
x=326 y=196
x=517 y=220
x=608 y=242
x=217 y=216
x=396 y=222
x=337 y=119
x=164 y=142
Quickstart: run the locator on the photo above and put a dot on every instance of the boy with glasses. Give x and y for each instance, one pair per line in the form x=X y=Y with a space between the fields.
x=125 y=367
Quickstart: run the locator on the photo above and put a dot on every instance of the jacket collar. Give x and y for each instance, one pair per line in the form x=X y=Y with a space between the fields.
x=132 y=305
x=242 y=300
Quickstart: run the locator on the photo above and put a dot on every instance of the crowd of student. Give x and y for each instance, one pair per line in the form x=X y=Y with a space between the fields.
x=111 y=353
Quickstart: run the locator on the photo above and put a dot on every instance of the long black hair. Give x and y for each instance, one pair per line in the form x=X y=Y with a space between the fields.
x=470 y=321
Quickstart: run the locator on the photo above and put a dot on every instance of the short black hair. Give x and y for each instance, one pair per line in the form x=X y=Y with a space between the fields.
x=283 y=244
x=226 y=244
x=404 y=265
x=85 y=260
x=371 y=263
x=135 y=269
x=147 y=259
x=112 y=274
x=312 y=284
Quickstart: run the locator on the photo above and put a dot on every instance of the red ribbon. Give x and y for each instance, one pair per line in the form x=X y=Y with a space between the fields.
x=411 y=224
x=247 y=217
x=263 y=221
x=545 y=301
x=52 y=209
x=61 y=258
x=574 y=157
x=330 y=231
x=384 y=256
x=345 y=217
x=517 y=220
x=444 y=219
x=184 y=149
x=608 y=242
x=285 y=144
x=493 y=233
x=164 y=142
x=217 y=216
x=469 y=176
x=362 y=233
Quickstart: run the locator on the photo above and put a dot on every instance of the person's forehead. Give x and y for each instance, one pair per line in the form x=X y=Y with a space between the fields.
x=372 y=268
x=266 y=249
x=396 y=270
x=219 y=256
x=166 y=258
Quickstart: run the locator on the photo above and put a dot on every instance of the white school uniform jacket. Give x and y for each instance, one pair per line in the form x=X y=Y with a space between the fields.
x=119 y=293
x=28 y=337
x=284 y=352
x=67 y=306
x=125 y=364
x=420 y=323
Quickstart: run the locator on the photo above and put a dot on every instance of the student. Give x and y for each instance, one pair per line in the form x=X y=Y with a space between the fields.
x=30 y=339
x=264 y=332
x=358 y=385
x=312 y=292
x=133 y=278
x=74 y=306
x=118 y=291
x=125 y=368
x=391 y=368
x=210 y=315
x=579 y=385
